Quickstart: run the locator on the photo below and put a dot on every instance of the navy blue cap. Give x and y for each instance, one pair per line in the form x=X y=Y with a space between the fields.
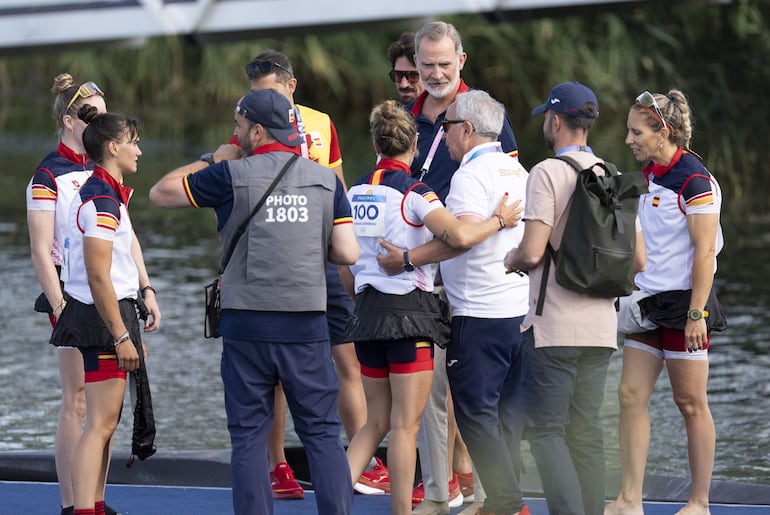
x=273 y=111
x=569 y=98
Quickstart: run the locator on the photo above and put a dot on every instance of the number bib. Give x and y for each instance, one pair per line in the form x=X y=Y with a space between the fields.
x=369 y=215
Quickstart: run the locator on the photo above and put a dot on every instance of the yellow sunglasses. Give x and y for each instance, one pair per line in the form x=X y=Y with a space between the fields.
x=87 y=89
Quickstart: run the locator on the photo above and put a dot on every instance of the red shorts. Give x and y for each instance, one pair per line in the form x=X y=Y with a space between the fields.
x=101 y=365
x=668 y=344
x=380 y=358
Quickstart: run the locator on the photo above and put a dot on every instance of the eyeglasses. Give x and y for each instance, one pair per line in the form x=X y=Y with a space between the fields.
x=647 y=100
x=446 y=123
x=413 y=76
x=255 y=68
x=87 y=89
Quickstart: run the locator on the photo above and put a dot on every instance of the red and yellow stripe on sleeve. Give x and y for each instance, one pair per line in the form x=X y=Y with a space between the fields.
x=343 y=220
x=106 y=221
x=703 y=199
x=190 y=198
x=41 y=192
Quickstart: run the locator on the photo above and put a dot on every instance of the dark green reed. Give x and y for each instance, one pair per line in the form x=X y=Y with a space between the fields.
x=717 y=54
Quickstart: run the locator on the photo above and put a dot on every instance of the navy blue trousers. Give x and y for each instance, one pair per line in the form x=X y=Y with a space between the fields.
x=250 y=371
x=484 y=370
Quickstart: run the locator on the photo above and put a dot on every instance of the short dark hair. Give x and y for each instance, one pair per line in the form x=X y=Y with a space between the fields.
x=283 y=72
x=402 y=47
x=586 y=122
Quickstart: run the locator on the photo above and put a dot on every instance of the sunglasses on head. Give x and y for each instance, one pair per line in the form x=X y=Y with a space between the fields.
x=87 y=89
x=413 y=76
x=256 y=68
x=647 y=100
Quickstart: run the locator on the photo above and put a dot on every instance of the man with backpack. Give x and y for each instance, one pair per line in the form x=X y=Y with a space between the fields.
x=567 y=347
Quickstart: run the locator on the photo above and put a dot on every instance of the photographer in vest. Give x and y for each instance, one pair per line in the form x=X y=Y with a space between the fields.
x=274 y=295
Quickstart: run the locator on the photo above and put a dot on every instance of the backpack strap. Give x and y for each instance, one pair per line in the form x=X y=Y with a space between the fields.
x=550 y=255
x=550 y=252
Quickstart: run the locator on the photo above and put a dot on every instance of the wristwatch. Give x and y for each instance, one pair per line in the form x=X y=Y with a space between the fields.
x=208 y=157
x=408 y=266
x=696 y=314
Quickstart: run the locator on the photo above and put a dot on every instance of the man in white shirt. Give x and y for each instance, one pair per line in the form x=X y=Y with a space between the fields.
x=483 y=359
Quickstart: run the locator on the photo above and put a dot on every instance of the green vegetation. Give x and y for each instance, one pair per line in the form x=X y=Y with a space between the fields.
x=717 y=54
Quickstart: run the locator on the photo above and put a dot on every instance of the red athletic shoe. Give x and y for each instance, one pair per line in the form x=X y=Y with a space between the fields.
x=418 y=494
x=283 y=483
x=455 y=495
x=466 y=486
x=375 y=481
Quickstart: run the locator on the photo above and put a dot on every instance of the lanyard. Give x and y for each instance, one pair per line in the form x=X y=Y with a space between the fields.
x=575 y=148
x=301 y=130
x=486 y=150
x=432 y=152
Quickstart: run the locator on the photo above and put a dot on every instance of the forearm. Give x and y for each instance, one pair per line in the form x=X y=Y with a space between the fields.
x=47 y=276
x=532 y=248
x=348 y=281
x=433 y=252
x=169 y=192
x=474 y=233
x=106 y=303
x=702 y=277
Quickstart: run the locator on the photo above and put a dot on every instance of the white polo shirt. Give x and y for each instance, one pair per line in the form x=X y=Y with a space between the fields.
x=476 y=283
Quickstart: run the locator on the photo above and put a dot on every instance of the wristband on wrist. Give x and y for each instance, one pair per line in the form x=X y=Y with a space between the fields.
x=501 y=220
x=148 y=287
x=60 y=306
x=124 y=337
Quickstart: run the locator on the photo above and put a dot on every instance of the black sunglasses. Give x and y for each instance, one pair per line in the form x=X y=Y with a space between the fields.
x=413 y=76
x=255 y=68
x=446 y=123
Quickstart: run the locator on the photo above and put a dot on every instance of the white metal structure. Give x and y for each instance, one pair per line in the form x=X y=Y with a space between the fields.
x=39 y=23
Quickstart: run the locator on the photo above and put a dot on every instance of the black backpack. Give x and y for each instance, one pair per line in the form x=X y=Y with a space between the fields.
x=596 y=254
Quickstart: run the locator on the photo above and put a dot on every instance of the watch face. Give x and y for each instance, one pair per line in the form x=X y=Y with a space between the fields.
x=408 y=266
x=695 y=314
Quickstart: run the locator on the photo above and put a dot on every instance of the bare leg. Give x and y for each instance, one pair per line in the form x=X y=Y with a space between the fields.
x=352 y=401
x=73 y=411
x=641 y=370
x=364 y=444
x=104 y=400
x=689 y=380
x=410 y=394
x=275 y=439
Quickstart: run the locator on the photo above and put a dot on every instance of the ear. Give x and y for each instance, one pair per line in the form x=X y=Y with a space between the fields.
x=113 y=148
x=463 y=58
x=468 y=129
x=68 y=122
x=555 y=122
x=291 y=85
